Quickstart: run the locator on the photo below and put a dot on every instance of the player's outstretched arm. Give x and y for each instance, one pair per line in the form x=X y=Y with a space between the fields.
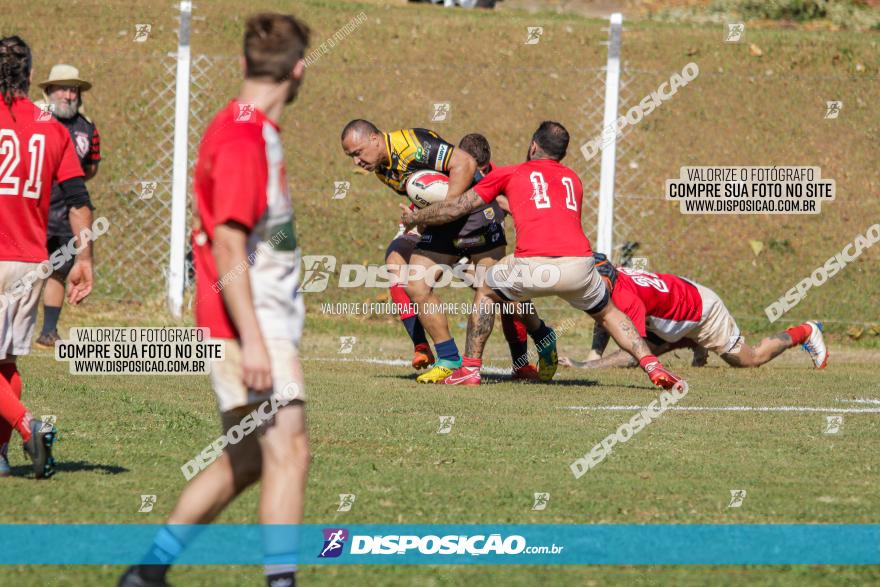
x=462 y=167
x=442 y=212
x=617 y=359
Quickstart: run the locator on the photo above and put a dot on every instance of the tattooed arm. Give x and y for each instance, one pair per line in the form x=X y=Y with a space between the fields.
x=616 y=359
x=637 y=346
x=442 y=212
x=622 y=330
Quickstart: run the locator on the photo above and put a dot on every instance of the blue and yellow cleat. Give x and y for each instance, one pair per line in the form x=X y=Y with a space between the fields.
x=548 y=360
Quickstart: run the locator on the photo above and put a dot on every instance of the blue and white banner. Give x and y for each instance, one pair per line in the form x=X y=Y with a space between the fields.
x=311 y=544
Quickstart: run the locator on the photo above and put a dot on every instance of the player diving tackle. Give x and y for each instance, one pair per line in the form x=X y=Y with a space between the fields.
x=672 y=312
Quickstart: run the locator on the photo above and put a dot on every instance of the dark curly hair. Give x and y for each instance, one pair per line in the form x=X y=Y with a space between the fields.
x=478 y=147
x=15 y=68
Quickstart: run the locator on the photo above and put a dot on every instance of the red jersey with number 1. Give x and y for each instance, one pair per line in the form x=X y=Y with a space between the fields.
x=545 y=200
x=35 y=151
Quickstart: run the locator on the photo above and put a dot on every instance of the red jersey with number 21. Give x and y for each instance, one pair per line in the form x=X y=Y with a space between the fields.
x=665 y=304
x=545 y=200
x=35 y=150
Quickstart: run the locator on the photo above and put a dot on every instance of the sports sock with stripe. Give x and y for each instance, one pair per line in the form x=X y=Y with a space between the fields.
x=647 y=360
x=408 y=316
x=415 y=330
x=447 y=351
x=799 y=334
x=472 y=362
x=165 y=548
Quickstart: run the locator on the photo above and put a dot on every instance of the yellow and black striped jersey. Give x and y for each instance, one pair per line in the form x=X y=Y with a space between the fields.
x=409 y=150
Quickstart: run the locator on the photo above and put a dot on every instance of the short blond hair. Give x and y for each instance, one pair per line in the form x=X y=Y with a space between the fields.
x=273 y=43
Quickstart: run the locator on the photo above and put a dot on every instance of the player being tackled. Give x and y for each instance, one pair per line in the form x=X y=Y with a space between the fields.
x=394 y=157
x=673 y=312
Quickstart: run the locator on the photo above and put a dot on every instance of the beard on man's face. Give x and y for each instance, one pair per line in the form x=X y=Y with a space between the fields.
x=65 y=108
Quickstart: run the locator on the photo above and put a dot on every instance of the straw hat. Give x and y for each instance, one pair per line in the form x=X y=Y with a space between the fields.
x=65 y=75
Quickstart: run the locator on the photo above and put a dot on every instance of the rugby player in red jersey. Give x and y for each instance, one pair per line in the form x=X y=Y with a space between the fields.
x=545 y=201
x=244 y=219
x=35 y=152
x=673 y=312
x=514 y=330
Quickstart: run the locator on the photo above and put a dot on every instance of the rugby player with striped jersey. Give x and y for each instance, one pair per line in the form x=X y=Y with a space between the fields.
x=393 y=157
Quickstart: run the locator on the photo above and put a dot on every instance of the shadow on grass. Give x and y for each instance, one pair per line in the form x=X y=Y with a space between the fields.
x=492 y=379
x=72 y=467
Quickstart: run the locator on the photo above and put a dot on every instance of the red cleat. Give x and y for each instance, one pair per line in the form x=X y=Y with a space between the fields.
x=463 y=376
x=422 y=356
x=526 y=373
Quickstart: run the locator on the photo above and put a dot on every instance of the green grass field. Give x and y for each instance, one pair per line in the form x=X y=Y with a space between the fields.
x=377 y=438
x=373 y=430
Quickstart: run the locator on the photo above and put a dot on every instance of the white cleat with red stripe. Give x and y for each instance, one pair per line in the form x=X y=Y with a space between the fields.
x=815 y=345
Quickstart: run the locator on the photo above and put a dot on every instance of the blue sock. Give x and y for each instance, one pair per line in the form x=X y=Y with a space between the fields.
x=50 y=318
x=165 y=548
x=415 y=330
x=447 y=351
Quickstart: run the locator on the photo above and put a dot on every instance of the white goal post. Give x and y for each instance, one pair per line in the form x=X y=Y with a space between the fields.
x=177 y=255
x=605 y=224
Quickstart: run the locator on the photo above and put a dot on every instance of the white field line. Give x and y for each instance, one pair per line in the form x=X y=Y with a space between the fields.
x=729 y=409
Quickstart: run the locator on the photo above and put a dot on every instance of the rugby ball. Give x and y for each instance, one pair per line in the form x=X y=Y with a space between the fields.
x=427 y=187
